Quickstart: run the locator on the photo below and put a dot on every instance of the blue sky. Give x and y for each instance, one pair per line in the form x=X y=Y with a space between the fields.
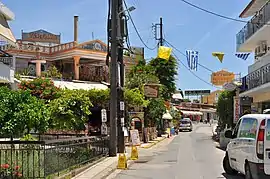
x=185 y=27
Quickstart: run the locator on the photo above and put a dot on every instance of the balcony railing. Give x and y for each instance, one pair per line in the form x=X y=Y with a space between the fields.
x=259 y=20
x=258 y=77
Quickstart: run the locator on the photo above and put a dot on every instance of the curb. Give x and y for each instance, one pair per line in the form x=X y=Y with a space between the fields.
x=154 y=143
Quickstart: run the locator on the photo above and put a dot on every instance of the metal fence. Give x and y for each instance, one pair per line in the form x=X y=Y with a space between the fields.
x=40 y=159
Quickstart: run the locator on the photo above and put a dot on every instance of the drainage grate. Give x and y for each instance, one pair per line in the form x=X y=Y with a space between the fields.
x=170 y=161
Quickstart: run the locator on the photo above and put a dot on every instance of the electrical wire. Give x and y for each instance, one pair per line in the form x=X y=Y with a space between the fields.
x=186 y=56
x=216 y=14
x=136 y=30
x=206 y=82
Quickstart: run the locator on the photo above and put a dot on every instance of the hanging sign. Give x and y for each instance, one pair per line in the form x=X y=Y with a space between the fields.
x=236 y=108
x=229 y=86
x=151 y=90
x=104 y=129
x=221 y=77
x=103 y=115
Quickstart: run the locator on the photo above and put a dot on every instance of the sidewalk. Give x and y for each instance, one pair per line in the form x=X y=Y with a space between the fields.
x=109 y=164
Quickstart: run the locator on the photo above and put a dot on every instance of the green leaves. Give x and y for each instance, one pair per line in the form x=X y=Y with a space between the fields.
x=70 y=110
x=225 y=108
x=20 y=112
x=134 y=97
x=41 y=88
x=165 y=70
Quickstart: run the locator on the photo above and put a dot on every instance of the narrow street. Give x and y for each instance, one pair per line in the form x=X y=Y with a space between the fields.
x=190 y=155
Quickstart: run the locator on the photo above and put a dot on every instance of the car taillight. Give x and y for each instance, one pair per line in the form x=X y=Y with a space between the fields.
x=260 y=140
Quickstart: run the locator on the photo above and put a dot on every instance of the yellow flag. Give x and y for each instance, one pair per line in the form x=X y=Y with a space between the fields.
x=219 y=55
x=164 y=52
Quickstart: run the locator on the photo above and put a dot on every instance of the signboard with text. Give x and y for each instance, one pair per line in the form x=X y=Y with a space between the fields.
x=197 y=92
x=151 y=90
x=41 y=36
x=221 y=77
x=236 y=108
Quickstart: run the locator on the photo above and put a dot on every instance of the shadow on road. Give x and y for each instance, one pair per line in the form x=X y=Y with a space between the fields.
x=233 y=176
x=221 y=148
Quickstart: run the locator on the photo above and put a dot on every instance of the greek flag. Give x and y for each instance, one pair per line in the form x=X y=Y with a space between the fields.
x=243 y=56
x=192 y=59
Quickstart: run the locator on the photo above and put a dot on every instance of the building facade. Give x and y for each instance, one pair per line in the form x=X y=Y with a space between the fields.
x=212 y=98
x=254 y=37
x=7 y=61
x=36 y=51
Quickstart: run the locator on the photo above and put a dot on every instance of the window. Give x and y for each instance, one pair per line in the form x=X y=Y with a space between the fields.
x=236 y=129
x=248 y=128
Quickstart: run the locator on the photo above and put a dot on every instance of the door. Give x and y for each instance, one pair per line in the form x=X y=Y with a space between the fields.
x=247 y=141
x=267 y=148
x=233 y=146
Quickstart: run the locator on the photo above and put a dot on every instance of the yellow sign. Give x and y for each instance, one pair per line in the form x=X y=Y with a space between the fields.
x=221 y=77
x=122 y=161
x=134 y=153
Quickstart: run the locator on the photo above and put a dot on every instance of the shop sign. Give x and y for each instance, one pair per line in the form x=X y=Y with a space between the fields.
x=229 y=86
x=151 y=90
x=221 y=77
x=41 y=36
x=197 y=92
x=236 y=108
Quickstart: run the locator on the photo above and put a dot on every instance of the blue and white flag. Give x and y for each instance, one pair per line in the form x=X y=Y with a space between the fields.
x=192 y=59
x=243 y=56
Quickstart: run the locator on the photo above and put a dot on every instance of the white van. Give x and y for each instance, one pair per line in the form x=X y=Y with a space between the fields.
x=248 y=151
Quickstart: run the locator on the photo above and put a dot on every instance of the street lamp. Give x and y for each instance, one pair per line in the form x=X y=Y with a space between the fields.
x=132 y=8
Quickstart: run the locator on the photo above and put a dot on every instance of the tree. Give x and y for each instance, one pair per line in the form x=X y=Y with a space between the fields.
x=165 y=70
x=225 y=108
x=70 y=111
x=20 y=112
x=99 y=98
x=141 y=74
x=154 y=111
x=134 y=97
x=41 y=88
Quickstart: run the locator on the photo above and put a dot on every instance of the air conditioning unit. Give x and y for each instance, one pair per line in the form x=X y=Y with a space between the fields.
x=261 y=50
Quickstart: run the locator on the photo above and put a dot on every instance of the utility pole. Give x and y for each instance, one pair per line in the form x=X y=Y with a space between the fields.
x=155 y=28
x=113 y=80
x=161 y=32
x=121 y=104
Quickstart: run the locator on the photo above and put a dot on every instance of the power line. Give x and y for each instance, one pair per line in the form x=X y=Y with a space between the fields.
x=136 y=30
x=186 y=56
x=214 y=13
x=194 y=73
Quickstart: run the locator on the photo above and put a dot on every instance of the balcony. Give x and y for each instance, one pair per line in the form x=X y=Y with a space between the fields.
x=9 y=15
x=7 y=68
x=255 y=31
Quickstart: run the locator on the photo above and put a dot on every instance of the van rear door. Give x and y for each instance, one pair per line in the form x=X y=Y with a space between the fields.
x=267 y=148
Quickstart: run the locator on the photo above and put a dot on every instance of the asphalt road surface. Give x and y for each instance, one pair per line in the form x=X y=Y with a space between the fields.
x=190 y=155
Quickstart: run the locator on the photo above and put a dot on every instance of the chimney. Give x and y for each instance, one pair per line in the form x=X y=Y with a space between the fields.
x=76 y=18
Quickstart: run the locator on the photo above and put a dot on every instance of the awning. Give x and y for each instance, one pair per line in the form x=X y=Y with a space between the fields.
x=192 y=113
x=167 y=115
x=6 y=34
x=76 y=85
x=210 y=110
x=84 y=86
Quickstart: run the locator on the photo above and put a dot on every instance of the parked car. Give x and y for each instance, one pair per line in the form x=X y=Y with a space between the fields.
x=185 y=124
x=248 y=151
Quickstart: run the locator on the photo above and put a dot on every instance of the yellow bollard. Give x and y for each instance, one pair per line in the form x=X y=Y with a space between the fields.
x=134 y=153
x=122 y=161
